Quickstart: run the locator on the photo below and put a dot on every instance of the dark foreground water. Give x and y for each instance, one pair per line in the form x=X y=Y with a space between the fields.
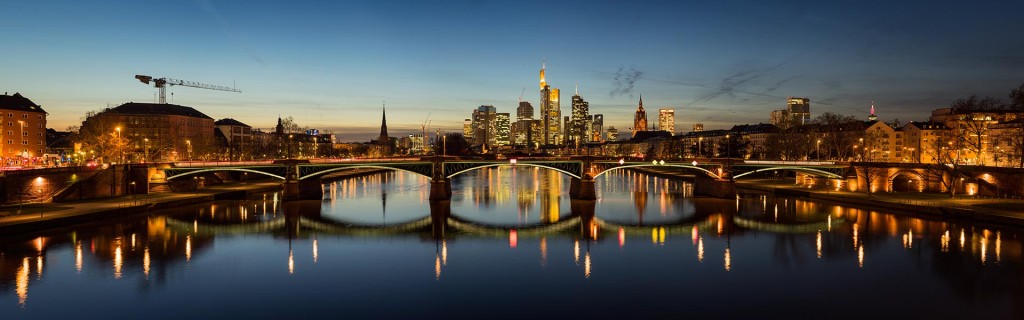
x=510 y=244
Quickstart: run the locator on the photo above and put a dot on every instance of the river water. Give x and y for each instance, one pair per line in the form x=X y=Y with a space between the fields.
x=511 y=244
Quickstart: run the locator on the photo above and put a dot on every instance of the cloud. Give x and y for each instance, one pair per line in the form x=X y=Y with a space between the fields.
x=624 y=81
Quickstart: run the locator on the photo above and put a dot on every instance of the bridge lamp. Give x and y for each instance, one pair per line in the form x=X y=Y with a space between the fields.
x=654 y=162
x=694 y=163
x=621 y=161
x=661 y=162
x=512 y=161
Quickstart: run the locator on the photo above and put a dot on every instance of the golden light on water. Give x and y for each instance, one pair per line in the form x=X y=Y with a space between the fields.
x=543 y=251
x=700 y=249
x=829 y=223
x=728 y=259
x=694 y=234
x=654 y=235
x=999 y=242
x=576 y=252
x=145 y=263
x=291 y=262
x=944 y=241
x=315 y=250
x=39 y=267
x=118 y=262
x=818 y=243
x=188 y=248
x=21 y=282
x=622 y=237
x=855 y=242
x=78 y=256
x=437 y=267
x=39 y=244
x=963 y=239
x=133 y=241
x=860 y=256
x=984 y=249
x=586 y=265
x=444 y=252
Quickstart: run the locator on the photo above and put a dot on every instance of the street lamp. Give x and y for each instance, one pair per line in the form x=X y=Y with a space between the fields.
x=188 y=144
x=700 y=149
x=290 y=136
x=145 y=150
x=817 y=149
x=120 y=149
x=728 y=147
x=21 y=132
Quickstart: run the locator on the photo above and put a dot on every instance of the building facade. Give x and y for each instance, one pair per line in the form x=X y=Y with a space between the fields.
x=550 y=112
x=24 y=133
x=667 y=120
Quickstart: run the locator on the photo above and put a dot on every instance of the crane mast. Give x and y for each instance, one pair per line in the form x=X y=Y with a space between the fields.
x=162 y=83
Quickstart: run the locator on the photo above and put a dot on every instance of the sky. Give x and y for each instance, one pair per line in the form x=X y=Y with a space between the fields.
x=331 y=65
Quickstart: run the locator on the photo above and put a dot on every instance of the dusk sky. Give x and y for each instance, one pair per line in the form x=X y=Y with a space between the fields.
x=330 y=64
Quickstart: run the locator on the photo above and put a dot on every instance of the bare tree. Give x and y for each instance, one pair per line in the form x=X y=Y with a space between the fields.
x=974 y=123
x=947 y=151
x=98 y=138
x=838 y=133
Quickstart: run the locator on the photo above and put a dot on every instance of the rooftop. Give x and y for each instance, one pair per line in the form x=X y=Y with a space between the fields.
x=19 y=103
x=157 y=109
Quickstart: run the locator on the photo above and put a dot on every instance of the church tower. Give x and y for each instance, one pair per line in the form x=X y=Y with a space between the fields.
x=640 y=119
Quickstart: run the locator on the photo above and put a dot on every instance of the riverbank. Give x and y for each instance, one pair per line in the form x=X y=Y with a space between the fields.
x=986 y=210
x=40 y=216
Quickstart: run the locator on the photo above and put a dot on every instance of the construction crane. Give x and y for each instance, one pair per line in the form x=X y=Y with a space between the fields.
x=162 y=83
x=423 y=127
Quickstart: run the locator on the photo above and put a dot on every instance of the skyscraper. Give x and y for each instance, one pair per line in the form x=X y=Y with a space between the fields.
x=799 y=109
x=484 y=127
x=667 y=120
x=502 y=131
x=698 y=127
x=596 y=128
x=467 y=129
x=520 y=135
x=550 y=111
x=524 y=111
x=613 y=134
x=640 y=119
x=578 y=123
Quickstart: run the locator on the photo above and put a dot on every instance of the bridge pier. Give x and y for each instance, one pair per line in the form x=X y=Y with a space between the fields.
x=718 y=188
x=440 y=210
x=582 y=189
x=306 y=189
x=440 y=189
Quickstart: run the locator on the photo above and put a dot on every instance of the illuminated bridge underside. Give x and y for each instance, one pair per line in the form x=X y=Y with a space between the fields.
x=364 y=230
x=821 y=172
x=571 y=224
x=319 y=170
x=277 y=172
x=685 y=228
x=787 y=228
x=232 y=229
x=605 y=167
x=571 y=168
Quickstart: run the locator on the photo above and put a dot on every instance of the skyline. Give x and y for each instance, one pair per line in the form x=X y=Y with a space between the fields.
x=325 y=63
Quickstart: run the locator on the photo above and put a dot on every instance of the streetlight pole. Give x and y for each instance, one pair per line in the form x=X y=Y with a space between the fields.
x=120 y=149
x=145 y=150
x=21 y=133
x=817 y=149
x=290 y=136
x=188 y=148
x=700 y=148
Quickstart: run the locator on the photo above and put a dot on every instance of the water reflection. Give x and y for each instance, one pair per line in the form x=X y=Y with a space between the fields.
x=501 y=209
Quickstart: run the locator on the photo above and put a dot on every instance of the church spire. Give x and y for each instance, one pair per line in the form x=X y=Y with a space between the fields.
x=383 y=123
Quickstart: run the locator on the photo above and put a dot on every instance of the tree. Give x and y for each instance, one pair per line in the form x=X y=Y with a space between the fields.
x=947 y=151
x=452 y=144
x=838 y=133
x=1013 y=136
x=734 y=146
x=99 y=138
x=291 y=127
x=974 y=123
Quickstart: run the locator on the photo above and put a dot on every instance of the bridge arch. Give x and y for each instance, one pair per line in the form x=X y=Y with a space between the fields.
x=705 y=171
x=812 y=171
x=513 y=165
x=194 y=172
x=333 y=170
x=917 y=185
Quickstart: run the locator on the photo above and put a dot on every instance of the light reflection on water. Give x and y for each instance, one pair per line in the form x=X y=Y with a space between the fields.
x=516 y=229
